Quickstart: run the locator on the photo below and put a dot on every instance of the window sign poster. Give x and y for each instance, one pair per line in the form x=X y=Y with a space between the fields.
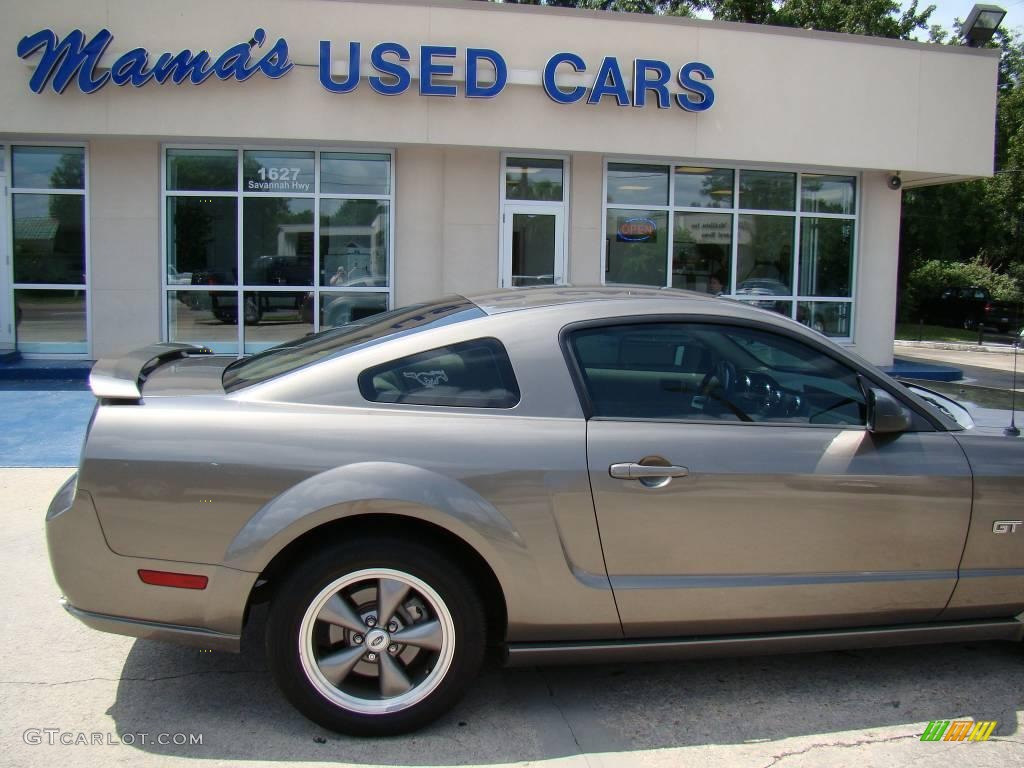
x=278 y=171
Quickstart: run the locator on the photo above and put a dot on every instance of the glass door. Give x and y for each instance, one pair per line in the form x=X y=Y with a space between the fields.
x=533 y=245
x=6 y=296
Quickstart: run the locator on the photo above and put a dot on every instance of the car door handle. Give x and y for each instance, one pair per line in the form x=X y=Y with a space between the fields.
x=634 y=471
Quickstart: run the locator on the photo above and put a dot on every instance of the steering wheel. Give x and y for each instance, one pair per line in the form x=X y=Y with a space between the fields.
x=724 y=373
x=716 y=385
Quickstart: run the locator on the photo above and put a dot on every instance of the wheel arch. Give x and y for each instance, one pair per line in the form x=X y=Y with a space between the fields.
x=400 y=526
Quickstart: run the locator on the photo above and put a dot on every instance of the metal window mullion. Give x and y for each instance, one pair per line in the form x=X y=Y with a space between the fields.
x=50 y=286
x=347 y=196
x=240 y=273
x=670 y=216
x=316 y=241
x=391 y=230
x=195 y=193
x=337 y=291
x=34 y=191
x=735 y=272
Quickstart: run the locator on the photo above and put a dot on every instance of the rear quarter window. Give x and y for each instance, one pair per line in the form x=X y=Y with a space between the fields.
x=471 y=374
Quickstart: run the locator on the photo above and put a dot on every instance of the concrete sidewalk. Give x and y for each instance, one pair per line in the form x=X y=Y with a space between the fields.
x=857 y=709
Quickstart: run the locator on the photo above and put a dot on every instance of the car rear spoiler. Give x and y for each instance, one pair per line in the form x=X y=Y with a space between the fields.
x=122 y=378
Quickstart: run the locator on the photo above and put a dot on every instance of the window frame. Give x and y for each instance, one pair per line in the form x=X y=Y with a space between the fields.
x=7 y=149
x=795 y=298
x=923 y=421
x=240 y=195
x=505 y=363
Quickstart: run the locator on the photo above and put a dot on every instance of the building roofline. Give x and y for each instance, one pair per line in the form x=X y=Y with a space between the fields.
x=484 y=6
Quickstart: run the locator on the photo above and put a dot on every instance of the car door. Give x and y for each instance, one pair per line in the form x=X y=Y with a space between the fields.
x=737 y=488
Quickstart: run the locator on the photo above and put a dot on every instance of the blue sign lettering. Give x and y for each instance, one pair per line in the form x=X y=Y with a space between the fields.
x=609 y=81
x=327 y=80
x=473 y=88
x=428 y=68
x=70 y=58
x=551 y=89
x=76 y=59
x=642 y=82
x=399 y=75
x=698 y=87
x=63 y=59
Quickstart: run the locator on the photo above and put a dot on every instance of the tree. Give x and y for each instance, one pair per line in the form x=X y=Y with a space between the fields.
x=979 y=221
x=878 y=18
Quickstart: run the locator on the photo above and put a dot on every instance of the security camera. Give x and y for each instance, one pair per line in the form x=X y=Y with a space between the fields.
x=895 y=182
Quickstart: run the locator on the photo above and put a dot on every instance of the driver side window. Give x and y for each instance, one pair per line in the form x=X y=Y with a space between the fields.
x=702 y=371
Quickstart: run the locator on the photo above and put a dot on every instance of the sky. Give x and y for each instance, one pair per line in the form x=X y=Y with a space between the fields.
x=947 y=10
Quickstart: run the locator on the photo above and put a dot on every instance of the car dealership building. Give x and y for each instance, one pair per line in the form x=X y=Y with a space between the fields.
x=243 y=172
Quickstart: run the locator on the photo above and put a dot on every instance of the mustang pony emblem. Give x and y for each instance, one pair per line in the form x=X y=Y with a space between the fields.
x=428 y=379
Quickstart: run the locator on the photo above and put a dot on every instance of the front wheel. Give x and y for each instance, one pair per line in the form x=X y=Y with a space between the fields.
x=375 y=637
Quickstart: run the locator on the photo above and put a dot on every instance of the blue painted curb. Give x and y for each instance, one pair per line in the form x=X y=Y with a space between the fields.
x=35 y=370
x=912 y=369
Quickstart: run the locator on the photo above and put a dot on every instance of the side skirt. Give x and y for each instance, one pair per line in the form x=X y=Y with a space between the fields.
x=614 y=651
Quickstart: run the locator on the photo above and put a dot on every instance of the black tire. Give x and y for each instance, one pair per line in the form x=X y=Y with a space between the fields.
x=299 y=591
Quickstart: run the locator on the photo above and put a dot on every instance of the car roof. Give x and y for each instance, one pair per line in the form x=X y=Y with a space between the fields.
x=517 y=299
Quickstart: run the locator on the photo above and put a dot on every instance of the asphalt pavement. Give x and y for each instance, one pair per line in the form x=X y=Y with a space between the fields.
x=981 y=367
x=114 y=699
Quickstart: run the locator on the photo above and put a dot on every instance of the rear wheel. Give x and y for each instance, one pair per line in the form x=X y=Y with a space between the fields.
x=375 y=636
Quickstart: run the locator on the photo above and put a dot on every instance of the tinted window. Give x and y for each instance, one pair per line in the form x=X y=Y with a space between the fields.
x=305 y=350
x=473 y=374
x=669 y=371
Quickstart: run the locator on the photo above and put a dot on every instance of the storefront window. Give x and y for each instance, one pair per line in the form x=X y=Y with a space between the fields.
x=249 y=231
x=763 y=243
x=703 y=187
x=635 y=184
x=50 y=320
x=278 y=172
x=202 y=170
x=702 y=252
x=354 y=242
x=531 y=178
x=49 y=249
x=346 y=173
x=637 y=246
x=277 y=240
x=828 y=194
x=767 y=190
x=826 y=257
x=765 y=255
x=202 y=237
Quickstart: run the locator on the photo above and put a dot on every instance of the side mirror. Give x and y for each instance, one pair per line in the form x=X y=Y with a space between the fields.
x=886 y=415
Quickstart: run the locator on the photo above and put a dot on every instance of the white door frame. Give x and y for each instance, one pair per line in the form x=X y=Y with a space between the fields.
x=546 y=209
x=7 y=336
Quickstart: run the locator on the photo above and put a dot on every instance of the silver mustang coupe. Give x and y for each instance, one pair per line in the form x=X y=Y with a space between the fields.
x=564 y=474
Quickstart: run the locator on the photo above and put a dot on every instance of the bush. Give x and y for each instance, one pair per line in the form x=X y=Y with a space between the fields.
x=928 y=280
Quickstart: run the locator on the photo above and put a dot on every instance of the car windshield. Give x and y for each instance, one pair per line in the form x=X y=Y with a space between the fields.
x=292 y=355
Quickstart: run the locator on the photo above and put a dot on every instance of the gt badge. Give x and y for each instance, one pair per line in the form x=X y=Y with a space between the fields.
x=1006 y=526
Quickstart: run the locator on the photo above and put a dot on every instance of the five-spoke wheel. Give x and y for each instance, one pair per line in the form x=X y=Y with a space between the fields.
x=377 y=640
x=375 y=644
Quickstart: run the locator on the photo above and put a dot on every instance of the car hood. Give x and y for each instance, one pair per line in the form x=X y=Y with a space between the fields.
x=189 y=376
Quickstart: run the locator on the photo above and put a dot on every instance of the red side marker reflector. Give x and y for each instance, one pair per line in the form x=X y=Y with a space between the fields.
x=168 y=579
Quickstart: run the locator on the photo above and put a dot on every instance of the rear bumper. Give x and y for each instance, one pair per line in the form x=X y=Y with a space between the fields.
x=103 y=589
x=151 y=630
